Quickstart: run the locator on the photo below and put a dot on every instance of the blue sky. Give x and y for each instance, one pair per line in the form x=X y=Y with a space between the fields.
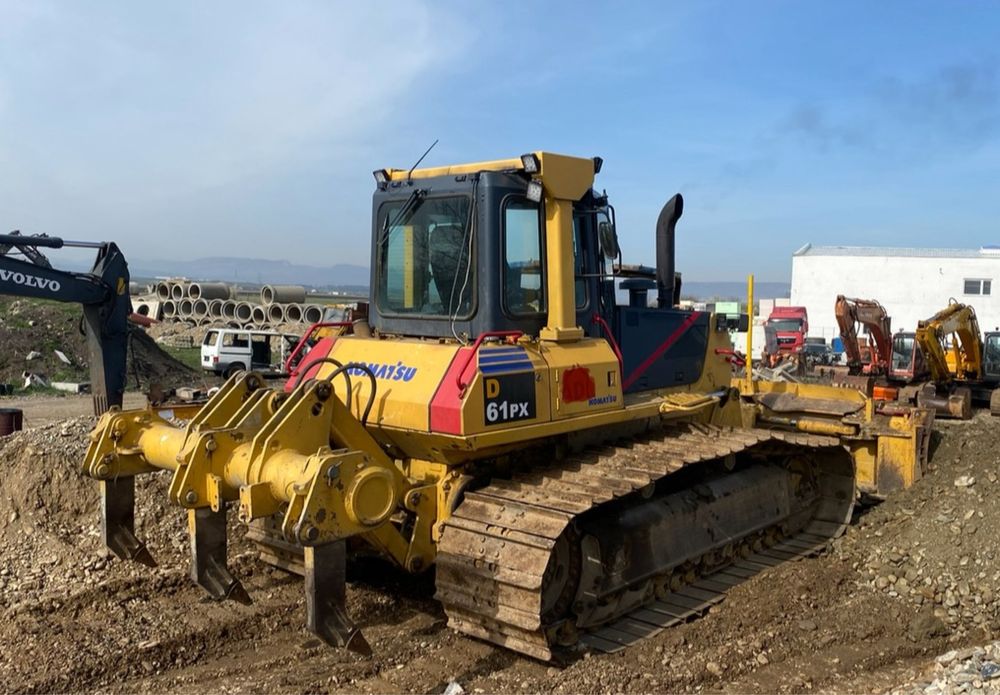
x=184 y=129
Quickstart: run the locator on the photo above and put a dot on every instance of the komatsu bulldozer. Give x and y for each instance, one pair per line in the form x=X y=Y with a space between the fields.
x=579 y=472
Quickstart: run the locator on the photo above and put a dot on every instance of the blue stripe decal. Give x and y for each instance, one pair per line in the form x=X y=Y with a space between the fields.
x=502 y=351
x=502 y=358
x=504 y=368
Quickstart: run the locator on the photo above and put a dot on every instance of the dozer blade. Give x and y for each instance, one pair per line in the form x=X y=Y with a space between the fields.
x=118 y=521
x=326 y=597
x=208 y=556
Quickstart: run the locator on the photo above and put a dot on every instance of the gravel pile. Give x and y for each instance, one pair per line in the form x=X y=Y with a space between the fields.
x=973 y=670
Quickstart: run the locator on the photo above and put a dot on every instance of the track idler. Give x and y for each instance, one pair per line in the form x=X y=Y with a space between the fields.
x=300 y=460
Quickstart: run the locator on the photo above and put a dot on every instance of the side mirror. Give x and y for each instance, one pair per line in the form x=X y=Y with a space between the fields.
x=608 y=237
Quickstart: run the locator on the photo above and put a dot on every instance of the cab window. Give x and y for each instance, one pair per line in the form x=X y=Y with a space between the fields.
x=424 y=253
x=523 y=269
x=210 y=338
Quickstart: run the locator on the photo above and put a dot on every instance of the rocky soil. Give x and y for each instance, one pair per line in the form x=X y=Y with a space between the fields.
x=904 y=602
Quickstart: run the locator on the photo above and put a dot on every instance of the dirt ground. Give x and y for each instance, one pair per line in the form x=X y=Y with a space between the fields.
x=40 y=410
x=912 y=578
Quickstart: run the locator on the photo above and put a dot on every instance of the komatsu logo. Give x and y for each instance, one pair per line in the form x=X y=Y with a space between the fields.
x=29 y=280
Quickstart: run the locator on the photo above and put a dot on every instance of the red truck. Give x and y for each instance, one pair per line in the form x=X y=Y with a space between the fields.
x=788 y=325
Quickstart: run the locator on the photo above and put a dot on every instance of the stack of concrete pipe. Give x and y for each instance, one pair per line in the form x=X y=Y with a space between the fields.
x=207 y=303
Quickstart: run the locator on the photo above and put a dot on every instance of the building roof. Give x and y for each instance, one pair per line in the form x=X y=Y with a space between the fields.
x=898 y=251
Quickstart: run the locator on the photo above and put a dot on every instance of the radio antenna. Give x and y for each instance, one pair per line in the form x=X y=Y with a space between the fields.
x=417 y=163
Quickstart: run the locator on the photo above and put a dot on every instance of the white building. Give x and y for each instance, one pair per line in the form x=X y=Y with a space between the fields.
x=912 y=284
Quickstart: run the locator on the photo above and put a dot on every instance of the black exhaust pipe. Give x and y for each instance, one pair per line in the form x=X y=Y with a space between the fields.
x=665 y=272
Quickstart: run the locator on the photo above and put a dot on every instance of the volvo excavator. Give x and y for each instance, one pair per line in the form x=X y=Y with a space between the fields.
x=580 y=473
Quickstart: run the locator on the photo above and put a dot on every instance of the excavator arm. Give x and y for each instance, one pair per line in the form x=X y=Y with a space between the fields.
x=957 y=320
x=872 y=315
x=103 y=292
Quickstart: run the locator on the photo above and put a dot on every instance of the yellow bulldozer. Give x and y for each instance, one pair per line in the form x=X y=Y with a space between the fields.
x=580 y=472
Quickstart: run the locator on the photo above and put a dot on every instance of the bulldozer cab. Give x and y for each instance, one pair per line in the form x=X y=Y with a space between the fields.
x=526 y=247
x=458 y=256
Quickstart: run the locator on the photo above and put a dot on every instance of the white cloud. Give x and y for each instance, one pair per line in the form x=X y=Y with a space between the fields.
x=111 y=113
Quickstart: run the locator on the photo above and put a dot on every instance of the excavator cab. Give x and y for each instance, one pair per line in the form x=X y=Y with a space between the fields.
x=908 y=363
x=991 y=356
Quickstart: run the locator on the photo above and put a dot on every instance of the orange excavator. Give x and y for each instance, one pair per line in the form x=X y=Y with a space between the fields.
x=872 y=315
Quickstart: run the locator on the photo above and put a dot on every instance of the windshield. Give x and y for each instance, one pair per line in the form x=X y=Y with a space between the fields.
x=902 y=352
x=424 y=258
x=991 y=355
x=786 y=325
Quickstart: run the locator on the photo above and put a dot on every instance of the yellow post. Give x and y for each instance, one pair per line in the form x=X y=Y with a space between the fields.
x=749 y=353
x=560 y=280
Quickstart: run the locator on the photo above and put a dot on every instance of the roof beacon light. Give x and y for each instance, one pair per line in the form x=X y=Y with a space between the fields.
x=534 y=192
x=530 y=163
x=381 y=176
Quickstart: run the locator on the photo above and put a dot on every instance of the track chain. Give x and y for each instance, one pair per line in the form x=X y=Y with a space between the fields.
x=496 y=548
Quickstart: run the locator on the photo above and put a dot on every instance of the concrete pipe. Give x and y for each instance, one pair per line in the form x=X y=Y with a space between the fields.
x=229 y=309
x=199 y=308
x=293 y=313
x=162 y=291
x=142 y=308
x=259 y=315
x=243 y=312
x=250 y=327
x=215 y=308
x=185 y=308
x=169 y=309
x=312 y=313
x=270 y=294
x=209 y=290
x=234 y=324
x=276 y=313
x=178 y=291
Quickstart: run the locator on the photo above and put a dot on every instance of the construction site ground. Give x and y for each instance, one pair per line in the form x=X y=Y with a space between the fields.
x=914 y=577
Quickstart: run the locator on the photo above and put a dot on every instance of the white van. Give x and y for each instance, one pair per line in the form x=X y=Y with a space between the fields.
x=226 y=351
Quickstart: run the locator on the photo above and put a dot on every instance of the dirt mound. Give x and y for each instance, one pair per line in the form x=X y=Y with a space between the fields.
x=49 y=513
x=38 y=328
x=150 y=364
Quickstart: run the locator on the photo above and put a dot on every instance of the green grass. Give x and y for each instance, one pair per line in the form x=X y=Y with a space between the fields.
x=190 y=356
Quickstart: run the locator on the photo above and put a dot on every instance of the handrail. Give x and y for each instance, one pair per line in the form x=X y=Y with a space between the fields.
x=305 y=337
x=610 y=337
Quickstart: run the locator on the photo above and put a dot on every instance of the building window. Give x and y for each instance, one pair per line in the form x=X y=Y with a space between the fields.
x=977 y=286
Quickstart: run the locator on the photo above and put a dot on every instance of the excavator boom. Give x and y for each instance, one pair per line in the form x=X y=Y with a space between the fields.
x=872 y=315
x=957 y=321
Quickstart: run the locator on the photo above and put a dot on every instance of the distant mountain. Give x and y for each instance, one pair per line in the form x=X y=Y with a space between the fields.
x=707 y=291
x=254 y=271
x=259 y=271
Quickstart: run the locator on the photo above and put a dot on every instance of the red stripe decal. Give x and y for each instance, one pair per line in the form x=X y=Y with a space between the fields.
x=446 y=403
x=664 y=346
